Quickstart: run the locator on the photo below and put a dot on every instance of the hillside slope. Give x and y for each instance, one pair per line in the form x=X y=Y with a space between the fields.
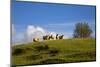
x=54 y=51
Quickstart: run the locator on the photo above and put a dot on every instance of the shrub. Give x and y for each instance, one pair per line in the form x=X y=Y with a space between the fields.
x=41 y=47
x=53 y=51
x=18 y=51
x=33 y=57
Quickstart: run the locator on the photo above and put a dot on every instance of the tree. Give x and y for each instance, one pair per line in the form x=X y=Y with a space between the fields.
x=82 y=30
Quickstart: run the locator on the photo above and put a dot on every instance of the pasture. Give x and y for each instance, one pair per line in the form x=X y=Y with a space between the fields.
x=54 y=51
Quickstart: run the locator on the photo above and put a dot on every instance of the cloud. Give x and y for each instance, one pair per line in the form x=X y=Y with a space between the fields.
x=34 y=32
x=61 y=24
x=19 y=38
x=41 y=30
x=30 y=30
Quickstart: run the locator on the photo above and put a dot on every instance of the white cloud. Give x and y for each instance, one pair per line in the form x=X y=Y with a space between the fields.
x=64 y=24
x=41 y=30
x=30 y=30
x=34 y=32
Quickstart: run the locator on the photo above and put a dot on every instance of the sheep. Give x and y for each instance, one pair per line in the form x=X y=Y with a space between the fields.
x=57 y=37
x=48 y=37
x=61 y=37
x=44 y=38
x=35 y=39
x=51 y=37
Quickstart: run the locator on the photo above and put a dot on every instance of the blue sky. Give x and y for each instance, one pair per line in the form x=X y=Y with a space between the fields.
x=59 y=18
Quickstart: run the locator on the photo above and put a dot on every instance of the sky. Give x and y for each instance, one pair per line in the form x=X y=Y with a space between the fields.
x=30 y=19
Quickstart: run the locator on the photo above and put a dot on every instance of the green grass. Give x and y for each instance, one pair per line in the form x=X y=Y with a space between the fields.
x=54 y=51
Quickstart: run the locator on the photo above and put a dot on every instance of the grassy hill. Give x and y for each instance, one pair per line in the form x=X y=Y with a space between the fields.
x=54 y=51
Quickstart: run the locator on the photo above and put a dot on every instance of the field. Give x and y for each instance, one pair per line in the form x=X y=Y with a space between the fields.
x=54 y=51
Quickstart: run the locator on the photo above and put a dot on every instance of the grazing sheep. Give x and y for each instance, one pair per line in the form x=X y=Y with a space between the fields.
x=35 y=39
x=51 y=37
x=57 y=37
x=61 y=37
x=47 y=37
x=44 y=37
